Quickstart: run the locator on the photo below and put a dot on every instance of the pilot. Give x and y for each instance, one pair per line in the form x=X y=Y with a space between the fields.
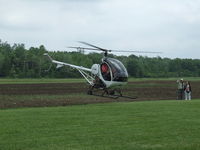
x=105 y=72
x=104 y=67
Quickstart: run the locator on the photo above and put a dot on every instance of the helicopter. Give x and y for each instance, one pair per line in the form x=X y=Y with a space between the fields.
x=109 y=76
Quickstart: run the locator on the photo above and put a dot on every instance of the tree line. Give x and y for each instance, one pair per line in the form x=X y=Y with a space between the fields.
x=18 y=62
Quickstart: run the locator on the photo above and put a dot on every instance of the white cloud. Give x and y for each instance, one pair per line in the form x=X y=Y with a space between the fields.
x=157 y=25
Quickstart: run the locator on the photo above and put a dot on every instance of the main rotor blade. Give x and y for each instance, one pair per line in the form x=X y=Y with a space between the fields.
x=136 y=51
x=96 y=48
x=85 y=48
x=105 y=50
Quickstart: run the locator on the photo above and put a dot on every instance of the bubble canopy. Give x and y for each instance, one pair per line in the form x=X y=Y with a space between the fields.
x=119 y=72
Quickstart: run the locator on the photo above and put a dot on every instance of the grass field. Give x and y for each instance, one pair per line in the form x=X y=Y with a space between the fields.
x=36 y=81
x=75 y=80
x=152 y=125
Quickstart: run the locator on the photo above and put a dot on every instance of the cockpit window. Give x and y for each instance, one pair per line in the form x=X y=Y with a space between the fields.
x=118 y=65
x=118 y=70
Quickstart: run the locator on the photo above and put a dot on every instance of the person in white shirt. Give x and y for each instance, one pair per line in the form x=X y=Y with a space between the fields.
x=188 y=90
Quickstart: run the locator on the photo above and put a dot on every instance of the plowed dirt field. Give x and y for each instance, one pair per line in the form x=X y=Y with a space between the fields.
x=61 y=94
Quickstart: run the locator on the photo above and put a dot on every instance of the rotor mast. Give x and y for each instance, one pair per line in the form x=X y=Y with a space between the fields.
x=105 y=51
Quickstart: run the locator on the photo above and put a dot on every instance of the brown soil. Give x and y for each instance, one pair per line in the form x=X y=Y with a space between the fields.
x=145 y=90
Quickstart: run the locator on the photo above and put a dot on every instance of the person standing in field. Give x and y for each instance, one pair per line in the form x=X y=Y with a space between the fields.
x=180 y=91
x=188 y=90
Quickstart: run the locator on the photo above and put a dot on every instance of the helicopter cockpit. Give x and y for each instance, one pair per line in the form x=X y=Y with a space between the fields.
x=113 y=69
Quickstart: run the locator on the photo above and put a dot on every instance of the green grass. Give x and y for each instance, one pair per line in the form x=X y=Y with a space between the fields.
x=79 y=80
x=155 y=125
x=165 y=79
x=42 y=80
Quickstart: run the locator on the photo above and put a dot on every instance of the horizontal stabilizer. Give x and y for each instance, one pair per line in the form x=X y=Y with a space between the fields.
x=58 y=66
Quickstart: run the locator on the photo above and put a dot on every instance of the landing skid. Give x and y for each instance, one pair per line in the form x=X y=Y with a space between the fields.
x=108 y=93
x=115 y=96
x=128 y=97
x=107 y=96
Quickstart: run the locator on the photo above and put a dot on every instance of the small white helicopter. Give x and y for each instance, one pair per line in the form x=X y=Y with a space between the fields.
x=109 y=76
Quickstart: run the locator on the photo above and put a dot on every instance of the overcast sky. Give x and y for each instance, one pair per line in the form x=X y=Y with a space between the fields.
x=170 y=26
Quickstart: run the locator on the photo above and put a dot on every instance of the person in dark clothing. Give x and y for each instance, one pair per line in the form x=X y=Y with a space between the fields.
x=180 y=91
